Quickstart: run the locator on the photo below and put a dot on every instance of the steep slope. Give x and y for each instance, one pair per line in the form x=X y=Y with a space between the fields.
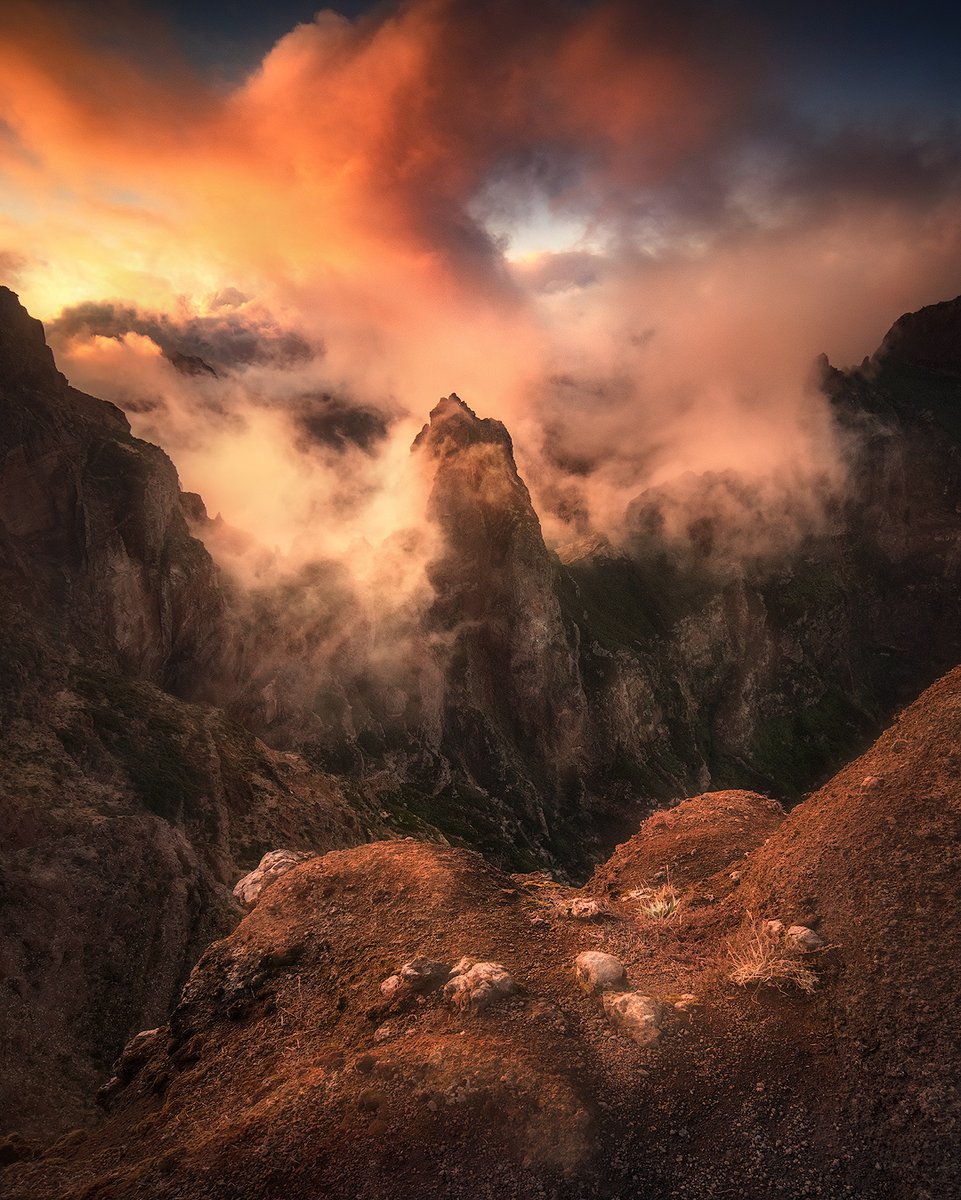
x=125 y=814
x=92 y=527
x=873 y=861
x=287 y=1069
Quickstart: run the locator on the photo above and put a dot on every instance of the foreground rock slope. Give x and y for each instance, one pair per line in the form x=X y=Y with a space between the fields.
x=287 y=1070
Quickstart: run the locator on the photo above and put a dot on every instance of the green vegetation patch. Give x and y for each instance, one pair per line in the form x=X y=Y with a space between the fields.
x=157 y=752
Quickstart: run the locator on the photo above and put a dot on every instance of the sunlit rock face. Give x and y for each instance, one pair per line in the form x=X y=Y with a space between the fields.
x=515 y=713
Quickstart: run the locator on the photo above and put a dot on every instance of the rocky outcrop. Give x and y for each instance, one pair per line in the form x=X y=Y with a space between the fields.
x=273 y=864
x=515 y=712
x=126 y=813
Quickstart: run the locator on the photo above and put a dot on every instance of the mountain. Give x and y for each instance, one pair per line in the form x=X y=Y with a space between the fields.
x=161 y=727
x=298 y=1062
x=127 y=811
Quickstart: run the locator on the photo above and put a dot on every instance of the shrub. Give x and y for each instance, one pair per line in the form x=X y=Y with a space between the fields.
x=761 y=955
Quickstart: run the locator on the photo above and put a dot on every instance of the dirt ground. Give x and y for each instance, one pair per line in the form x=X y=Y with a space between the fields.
x=284 y=1072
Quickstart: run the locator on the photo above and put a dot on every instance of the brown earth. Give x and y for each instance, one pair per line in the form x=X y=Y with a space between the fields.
x=284 y=1073
x=702 y=837
x=873 y=862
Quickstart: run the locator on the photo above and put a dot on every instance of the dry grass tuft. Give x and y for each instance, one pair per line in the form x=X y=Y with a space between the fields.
x=762 y=956
x=658 y=903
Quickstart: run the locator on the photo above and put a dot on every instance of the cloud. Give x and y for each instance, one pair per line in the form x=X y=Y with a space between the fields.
x=232 y=334
x=354 y=228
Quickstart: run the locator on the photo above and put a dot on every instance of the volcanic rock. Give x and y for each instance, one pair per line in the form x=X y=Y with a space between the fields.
x=479 y=986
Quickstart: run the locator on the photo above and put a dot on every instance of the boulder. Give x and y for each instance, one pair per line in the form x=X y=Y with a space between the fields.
x=597 y=972
x=484 y=984
x=270 y=868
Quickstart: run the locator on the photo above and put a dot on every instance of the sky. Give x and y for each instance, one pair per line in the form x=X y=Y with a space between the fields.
x=625 y=229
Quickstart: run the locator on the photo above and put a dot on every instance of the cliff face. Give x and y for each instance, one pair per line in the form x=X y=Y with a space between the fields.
x=126 y=813
x=771 y=675
x=514 y=710
x=92 y=524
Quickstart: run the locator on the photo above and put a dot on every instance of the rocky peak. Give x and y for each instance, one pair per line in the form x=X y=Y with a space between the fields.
x=929 y=338
x=454 y=426
x=25 y=358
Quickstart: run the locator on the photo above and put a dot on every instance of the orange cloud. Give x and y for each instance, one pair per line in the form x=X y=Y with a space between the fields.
x=357 y=184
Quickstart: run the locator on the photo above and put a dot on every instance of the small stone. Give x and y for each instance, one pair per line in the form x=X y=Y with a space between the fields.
x=392 y=986
x=686 y=1002
x=597 y=972
x=774 y=929
x=586 y=910
x=804 y=938
x=635 y=1015
x=870 y=782
x=476 y=989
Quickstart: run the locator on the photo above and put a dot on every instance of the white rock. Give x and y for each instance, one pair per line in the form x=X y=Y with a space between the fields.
x=462 y=966
x=804 y=938
x=485 y=983
x=392 y=985
x=273 y=864
x=586 y=910
x=774 y=928
x=635 y=1015
x=597 y=972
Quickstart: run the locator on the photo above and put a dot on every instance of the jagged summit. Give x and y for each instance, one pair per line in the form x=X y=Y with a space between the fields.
x=929 y=338
x=25 y=358
x=454 y=425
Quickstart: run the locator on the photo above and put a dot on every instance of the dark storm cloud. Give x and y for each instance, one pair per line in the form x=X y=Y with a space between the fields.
x=221 y=339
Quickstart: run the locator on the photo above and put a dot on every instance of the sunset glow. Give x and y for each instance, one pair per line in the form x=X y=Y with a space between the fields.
x=438 y=195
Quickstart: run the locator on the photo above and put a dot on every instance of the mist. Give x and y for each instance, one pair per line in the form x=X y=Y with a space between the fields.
x=608 y=227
